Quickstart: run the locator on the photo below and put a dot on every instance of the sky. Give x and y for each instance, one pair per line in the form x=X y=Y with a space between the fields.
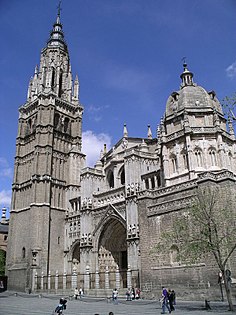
x=128 y=55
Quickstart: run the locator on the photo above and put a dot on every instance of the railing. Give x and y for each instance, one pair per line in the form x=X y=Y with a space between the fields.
x=107 y=279
x=113 y=196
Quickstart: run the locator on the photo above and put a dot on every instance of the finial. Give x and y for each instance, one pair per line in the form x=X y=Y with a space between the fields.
x=125 y=131
x=149 y=132
x=105 y=148
x=36 y=70
x=186 y=75
x=184 y=62
x=3 y=219
x=56 y=35
x=59 y=9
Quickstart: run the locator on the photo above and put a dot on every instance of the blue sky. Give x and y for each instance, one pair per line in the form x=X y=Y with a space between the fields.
x=128 y=56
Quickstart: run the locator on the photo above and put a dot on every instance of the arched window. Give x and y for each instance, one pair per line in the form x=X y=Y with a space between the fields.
x=122 y=176
x=53 y=78
x=198 y=156
x=174 y=163
x=153 y=182
x=230 y=160
x=60 y=85
x=56 y=120
x=66 y=125
x=110 y=178
x=185 y=159
x=28 y=127
x=174 y=255
x=23 y=253
x=212 y=154
x=34 y=122
x=158 y=178
x=76 y=253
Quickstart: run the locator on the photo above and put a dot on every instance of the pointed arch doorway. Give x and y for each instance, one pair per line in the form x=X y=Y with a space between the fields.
x=112 y=252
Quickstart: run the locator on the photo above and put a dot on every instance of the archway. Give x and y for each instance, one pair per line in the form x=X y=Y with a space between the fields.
x=76 y=254
x=112 y=250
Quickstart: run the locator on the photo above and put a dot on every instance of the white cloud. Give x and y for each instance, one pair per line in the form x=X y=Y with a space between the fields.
x=96 y=112
x=5 y=198
x=93 y=144
x=5 y=170
x=231 y=70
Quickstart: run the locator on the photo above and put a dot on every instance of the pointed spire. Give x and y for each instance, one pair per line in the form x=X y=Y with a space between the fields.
x=149 y=135
x=69 y=85
x=125 y=132
x=34 y=83
x=59 y=9
x=57 y=36
x=76 y=89
x=231 y=128
x=186 y=76
x=144 y=146
x=158 y=131
x=104 y=148
x=162 y=128
x=36 y=70
x=30 y=89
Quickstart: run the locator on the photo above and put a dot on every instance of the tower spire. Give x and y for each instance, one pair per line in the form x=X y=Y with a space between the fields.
x=59 y=9
x=186 y=75
x=57 y=36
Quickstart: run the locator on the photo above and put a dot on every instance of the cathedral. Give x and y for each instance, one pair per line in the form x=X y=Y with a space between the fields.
x=95 y=227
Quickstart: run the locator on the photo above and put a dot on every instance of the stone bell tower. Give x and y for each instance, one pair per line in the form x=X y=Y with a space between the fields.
x=47 y=165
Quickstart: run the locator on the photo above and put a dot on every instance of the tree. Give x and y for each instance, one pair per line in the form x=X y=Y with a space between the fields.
x=228 y=104
x=207 y=226
x=2 y=262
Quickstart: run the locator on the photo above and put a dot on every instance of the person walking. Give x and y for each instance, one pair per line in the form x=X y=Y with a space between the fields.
x=76 y=293
x=171 y=299
x=115 y=296
x=128 y=295
x=165 y=301
x=81 y=293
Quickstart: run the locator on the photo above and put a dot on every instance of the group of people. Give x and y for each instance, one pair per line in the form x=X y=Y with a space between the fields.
x=79 y=293
x=168 y=300
x=133 y=294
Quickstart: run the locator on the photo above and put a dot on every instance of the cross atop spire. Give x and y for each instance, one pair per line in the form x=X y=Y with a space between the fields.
x=184 y=60
x=59 y=9
x=57 y=37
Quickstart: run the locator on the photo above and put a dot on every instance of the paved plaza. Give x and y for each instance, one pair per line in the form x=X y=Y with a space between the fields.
x=28 y=304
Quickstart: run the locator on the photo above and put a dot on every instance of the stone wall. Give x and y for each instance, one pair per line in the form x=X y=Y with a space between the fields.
x=157 y=214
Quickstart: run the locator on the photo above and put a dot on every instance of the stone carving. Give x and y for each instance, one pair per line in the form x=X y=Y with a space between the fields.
x=132 y=189
x=86 y=239
x=87 y=203
x=133 y=231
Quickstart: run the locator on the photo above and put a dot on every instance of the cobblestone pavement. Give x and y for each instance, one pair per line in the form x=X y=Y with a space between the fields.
x=29 y=304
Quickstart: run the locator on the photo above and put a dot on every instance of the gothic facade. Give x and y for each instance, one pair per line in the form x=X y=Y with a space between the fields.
x=71 y=220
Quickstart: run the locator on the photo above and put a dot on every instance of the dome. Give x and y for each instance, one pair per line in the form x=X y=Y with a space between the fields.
x=191 y=96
